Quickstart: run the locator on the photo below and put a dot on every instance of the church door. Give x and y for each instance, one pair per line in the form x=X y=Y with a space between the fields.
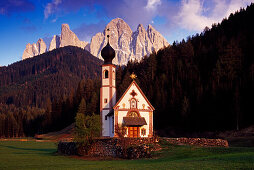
x=133 y=132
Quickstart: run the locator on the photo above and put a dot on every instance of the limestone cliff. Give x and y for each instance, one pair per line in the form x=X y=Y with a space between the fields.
x=128 y=45
x=34 y=49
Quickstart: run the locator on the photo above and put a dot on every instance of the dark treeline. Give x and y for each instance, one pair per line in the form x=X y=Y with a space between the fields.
x=48 y=81
x=19 y=122
x=28 y=121
x=204 y=83
x=50 y=75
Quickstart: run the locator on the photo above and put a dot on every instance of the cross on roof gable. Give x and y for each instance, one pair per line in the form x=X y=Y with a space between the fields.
x=139 y=90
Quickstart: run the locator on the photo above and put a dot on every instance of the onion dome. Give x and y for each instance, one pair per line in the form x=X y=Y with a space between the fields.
x=108 y=53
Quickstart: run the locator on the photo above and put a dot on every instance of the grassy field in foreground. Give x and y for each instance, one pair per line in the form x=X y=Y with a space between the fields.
x=42 y=155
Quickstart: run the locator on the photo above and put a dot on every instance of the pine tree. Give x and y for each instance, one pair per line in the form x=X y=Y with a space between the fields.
x=80 y=129
x=91 y=108
x=82 y=107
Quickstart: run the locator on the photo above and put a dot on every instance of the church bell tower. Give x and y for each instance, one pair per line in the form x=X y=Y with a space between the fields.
x=108 y=90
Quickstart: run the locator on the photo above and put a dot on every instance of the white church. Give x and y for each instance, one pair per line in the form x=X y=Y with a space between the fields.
x=133 y=111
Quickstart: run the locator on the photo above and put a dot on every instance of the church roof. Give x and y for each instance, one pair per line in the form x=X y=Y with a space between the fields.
x=134 y=121
x=134 y=82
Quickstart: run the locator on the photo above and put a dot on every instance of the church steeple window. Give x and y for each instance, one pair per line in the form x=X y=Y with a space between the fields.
x=133 y=103
x=105 y=74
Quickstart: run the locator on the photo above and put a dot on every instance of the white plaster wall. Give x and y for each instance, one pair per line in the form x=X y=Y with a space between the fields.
x=141 y=102
x=114 y=96
x=114 y=79
x=105 y=95
x=139 y=97
x=111 y=127
x=105 y=124
x=121 y=114
x=146 y=116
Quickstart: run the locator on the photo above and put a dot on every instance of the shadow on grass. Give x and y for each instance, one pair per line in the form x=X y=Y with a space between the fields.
x=44 y=151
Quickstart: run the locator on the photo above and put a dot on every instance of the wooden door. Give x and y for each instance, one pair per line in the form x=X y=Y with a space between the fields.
x=133 y=132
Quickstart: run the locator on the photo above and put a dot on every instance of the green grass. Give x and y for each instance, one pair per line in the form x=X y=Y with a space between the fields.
x=42 y=155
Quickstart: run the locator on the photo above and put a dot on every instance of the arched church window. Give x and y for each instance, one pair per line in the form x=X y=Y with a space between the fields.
x=133 y=114
x=106 y=74
x=133 y=103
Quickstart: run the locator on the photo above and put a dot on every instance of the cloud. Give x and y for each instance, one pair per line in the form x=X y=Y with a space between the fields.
x=152 y=4
x=8 y=7
x=132 y=11
x=236 y=4
x=194 y=16
x=189 y=15
x=51 y=8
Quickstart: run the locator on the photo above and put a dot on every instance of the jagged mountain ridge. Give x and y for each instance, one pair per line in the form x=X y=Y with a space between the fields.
x=67 y=38
x=128 y=45
x=34 y=49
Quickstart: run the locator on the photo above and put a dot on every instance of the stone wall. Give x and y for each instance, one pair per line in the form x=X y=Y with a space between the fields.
x=198 y=142
x=131 y=148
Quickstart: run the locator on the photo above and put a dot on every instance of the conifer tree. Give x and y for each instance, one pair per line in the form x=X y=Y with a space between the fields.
x=82 y=107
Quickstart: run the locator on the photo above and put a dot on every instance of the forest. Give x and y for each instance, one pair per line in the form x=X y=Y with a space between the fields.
x=204 y=83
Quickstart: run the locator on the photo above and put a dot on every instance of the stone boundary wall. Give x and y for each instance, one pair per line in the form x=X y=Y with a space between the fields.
x=198 y=142
x=111 y=147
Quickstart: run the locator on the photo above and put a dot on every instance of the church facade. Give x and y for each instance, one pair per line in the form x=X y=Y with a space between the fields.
x=133 y=111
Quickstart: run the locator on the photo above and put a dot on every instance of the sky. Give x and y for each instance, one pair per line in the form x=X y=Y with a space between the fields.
x=25 y=21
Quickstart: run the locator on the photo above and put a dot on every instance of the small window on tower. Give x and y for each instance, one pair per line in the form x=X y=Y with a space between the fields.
x=105 y=100
x=106 y=74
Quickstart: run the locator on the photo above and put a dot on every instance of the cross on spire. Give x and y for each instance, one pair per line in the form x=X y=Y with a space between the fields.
x=133 y=76
x=108 y=34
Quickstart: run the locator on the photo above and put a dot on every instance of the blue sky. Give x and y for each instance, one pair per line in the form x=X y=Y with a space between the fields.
x=25 y=21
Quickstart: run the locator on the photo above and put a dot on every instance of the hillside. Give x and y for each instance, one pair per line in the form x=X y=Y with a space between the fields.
x=51 y=75
x=205 y=83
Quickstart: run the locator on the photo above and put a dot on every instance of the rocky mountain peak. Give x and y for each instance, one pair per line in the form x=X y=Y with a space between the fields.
x=150 y=27
x=34 y=49
x=127 y=44
x=65 y=27
x=70 y=38
x=140 y=27
x=55 y=42
x=41 y=46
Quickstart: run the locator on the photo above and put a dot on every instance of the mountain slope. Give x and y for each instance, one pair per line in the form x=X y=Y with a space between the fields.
x=51 y=75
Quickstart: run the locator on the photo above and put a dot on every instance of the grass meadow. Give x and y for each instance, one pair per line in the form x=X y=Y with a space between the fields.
x=42 y=155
